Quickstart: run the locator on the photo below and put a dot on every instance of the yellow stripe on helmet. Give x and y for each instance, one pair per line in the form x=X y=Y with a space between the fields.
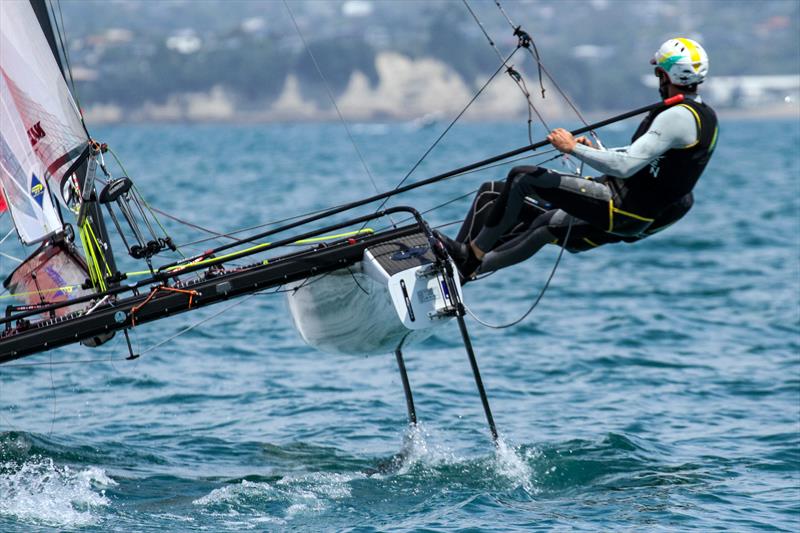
x=694 y=53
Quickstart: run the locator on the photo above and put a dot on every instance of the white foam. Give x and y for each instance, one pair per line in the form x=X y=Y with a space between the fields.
x=510 y=464
x=41 y=492
x=419 y=449
x=296 y=494
x=232 y=494
x=328 y=484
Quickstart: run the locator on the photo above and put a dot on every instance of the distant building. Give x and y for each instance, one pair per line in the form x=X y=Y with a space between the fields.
x=747 y=91
x=184 y=42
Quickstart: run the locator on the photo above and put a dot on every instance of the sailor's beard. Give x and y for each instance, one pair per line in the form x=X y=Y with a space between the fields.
x=663 y=87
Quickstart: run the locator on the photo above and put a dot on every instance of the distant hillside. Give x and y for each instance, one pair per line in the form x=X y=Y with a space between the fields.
x=217 y=59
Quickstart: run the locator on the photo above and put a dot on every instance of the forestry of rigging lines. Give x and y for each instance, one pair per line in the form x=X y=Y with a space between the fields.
x=94 y=304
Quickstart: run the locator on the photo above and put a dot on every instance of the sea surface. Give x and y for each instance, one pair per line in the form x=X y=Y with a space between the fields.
x=656 y=387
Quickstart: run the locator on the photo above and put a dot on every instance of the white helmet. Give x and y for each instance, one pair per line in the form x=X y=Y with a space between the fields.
x=684 y=61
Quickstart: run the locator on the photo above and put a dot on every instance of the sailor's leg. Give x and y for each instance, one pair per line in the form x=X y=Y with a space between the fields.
x=480 y=208
x=582 y=198
x=549 y=228
x=588 y=200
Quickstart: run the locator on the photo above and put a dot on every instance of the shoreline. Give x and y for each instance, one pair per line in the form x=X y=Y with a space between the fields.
x=743 y=114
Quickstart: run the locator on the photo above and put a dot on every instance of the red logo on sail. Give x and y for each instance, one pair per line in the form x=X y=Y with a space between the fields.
x=35 y=133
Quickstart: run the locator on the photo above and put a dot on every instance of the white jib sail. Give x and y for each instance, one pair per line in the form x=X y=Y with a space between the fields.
x=41 y=133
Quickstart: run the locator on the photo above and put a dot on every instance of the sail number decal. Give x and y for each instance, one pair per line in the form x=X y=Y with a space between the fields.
x=35 y=133
x=37 y=190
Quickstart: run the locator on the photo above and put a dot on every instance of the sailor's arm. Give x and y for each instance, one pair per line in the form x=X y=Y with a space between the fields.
x=674 y=128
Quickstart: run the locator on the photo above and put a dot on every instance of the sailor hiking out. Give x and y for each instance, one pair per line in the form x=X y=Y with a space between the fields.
x=645 y=187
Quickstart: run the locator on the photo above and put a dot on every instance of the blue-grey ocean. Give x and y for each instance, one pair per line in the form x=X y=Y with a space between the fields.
x=656 y=387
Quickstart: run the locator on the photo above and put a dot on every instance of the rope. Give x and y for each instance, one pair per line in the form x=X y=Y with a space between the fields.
x=76 y=362
x=53 y=390
x=332 y=98
x=65 y=288
x=62 y=38
x=448 y=202
x=525 y=41
x=519 y=32
x=204 y=259
x=147 y=205
x=193 y=225
x=99 y=248
x=7 y=256
x=198 y=323
x=156 y=290
x=447 y=129
x=7 y=236
x=538 y=298
x=259 y=226
x=513 y=73
x=541 y=67
x=94 y=273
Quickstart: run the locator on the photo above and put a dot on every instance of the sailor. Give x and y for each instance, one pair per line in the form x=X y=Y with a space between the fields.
x=646 y=186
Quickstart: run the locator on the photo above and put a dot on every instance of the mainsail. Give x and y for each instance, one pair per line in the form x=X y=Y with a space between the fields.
x=42 y=143
x=42 y=137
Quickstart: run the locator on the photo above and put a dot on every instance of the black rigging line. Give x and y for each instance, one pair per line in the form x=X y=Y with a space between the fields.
x=504 y=63
x=449 y=127
x=330 y=95
x=215 y=234
x=538 y=298
x=525 y=38
x=428 y=181
x=535 y=55
x=320 y=214
x=461 y=197
x=62 y=38
x=525 y=41
x=53 y=390
x=355 y=280
x=231 y=234
x=512 y=72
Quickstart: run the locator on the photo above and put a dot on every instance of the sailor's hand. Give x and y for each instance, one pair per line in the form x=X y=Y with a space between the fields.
x=584 y=141
x=562 y=140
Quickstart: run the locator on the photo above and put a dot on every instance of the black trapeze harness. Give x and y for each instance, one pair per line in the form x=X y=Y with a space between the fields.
x=646 y=201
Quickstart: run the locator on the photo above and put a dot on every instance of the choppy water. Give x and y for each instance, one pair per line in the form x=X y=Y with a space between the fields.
x=656 y=387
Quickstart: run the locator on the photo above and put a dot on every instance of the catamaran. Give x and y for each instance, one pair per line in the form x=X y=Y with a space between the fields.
x=50 y=167
x=395 y=286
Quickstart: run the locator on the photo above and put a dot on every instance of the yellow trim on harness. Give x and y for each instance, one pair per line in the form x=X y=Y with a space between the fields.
x=612 y=209
x=591 y=243
x=628 y=214
x=714 y=139
x=699 y=126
